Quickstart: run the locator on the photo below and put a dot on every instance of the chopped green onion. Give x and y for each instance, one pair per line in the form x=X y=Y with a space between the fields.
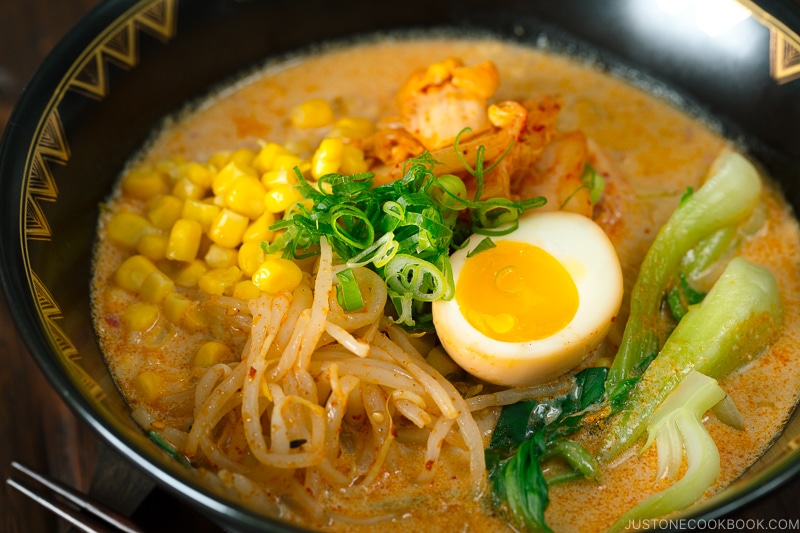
x=380 y=253
x=348 y=293
x=592 y=181
x=449 y=192
x=171 y=450
x=484 y=245
x=407 y=274
x=352 y=226
x=686 y=195
x=404 y=230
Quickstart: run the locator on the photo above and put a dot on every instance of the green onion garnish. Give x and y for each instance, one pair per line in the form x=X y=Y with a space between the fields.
x=403 y=230
x=592 y=181
x=171 y=450
x=348 y=293
x=484 y=245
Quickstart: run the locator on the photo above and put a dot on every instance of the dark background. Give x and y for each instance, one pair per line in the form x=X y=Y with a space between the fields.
x=36 y=427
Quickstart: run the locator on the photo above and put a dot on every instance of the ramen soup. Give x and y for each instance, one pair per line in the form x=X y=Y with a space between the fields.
x=394 y=285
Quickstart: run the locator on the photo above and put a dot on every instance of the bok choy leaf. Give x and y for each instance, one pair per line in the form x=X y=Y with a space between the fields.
x=530 y=433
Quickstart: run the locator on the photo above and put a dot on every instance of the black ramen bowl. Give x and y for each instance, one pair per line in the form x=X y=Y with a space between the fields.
x=130 y=63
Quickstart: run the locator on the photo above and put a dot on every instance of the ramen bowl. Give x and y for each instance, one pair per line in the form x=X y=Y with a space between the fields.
x=97 y=98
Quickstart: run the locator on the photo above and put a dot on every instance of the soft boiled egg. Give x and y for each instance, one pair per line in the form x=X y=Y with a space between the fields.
x=536 y=304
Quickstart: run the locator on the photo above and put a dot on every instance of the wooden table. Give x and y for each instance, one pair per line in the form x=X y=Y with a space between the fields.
x=36 y=427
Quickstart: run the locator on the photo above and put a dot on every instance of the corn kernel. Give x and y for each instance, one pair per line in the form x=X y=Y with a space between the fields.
x=243 y=157
x=184 y=240
x=265 y=160
x=140 y=317
x=183 y=311
x=225 y=177
x=352 y=128
x=144 y=183
x=176 y=306
x=185 y=188
x=281 y=198
x=250 y=257
x=164 y=211
x=277 y=274
x=189 y=274
x=156 y=287
x=202 y=212
x=246 y=196
x=219 y=160
x=353 y=161
x=246 y=290
x=171 y=167
x=227 y=228
x=221 y=257
x=153 y=246
x=327 y=158
x=273 y=178
x=211 y=353
x=195 y=318
x=314 y=113
x=148 y=385
x=287 y=162
x=126 y=228
x=198 y=174
x=220 y=280
x=132 y=272
x=259 y=230
x=298 y=147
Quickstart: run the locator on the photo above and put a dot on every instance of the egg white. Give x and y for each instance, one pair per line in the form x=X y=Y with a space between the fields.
x=586 y=252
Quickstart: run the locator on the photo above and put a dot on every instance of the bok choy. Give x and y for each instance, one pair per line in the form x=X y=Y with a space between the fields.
x=726 y=200
x=529 y=434
x=677 y=428
x=738 y=318
x=660 y=383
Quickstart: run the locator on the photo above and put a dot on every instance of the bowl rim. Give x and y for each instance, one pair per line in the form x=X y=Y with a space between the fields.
x=18 y=137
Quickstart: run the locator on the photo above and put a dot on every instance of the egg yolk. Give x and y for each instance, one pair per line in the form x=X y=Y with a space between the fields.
x=516 y=292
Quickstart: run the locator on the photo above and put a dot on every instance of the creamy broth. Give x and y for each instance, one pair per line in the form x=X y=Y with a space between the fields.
x=652 y=153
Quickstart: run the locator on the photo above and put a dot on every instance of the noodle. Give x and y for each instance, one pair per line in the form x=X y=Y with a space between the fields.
x=359 y=348
x=512 y=396
x=444 y=394
x=304 y=349
x=319 y=310
x=440 y=430
x=289 y=355
x=206 y=384
x=257 y=364
x=213 y=409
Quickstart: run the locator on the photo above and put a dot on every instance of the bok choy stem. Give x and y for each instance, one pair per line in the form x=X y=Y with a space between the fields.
x=727 y=198
x=677 y=428
x=737 y=319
